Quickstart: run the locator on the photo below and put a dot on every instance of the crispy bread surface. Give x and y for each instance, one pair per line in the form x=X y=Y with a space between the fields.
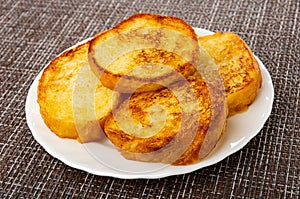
x=174 y=141
x=144 y=49
x=238 y=68
x=56 y=93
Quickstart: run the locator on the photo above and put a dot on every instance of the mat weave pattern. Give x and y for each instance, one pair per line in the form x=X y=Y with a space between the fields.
x=33 y=32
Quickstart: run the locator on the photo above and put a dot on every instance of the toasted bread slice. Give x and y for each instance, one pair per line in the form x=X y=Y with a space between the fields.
x=238 y=68
x=169 y=127
x=56 y=96
x=144 y=49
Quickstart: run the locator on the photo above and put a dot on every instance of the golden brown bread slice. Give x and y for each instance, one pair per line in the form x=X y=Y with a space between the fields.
x=144 y=49
x=169 y=126
x=238 y=68
x=56 y=98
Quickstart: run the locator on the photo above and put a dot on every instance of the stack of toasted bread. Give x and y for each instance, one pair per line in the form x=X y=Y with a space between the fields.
x=165 y=110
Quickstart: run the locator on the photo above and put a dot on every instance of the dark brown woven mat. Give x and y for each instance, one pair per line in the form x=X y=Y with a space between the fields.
x=33 y=32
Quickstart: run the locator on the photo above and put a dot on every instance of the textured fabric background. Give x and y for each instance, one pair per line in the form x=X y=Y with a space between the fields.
x=34 y=32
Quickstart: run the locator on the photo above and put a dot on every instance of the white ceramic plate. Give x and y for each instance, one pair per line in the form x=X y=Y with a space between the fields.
x=241 y=128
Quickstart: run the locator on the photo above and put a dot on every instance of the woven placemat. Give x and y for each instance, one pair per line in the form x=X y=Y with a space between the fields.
x=34 y=32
